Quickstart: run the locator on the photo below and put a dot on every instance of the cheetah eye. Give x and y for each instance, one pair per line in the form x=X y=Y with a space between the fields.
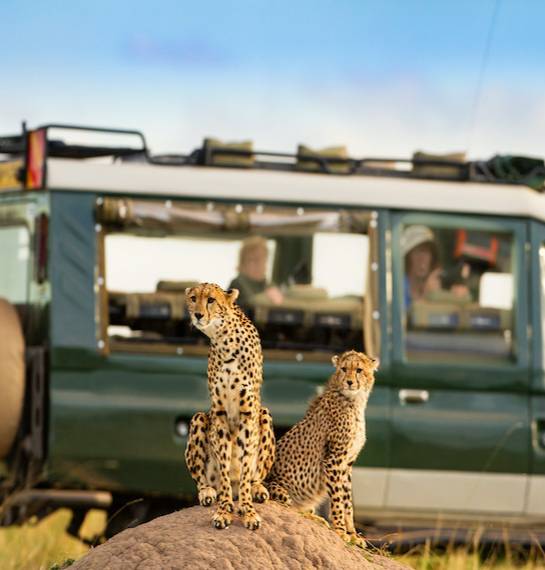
x=343 y=369
x=358 y=371
x=210 y=300
x=193 y=299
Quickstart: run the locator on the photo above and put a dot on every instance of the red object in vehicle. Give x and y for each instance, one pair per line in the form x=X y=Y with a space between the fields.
x=476 y=245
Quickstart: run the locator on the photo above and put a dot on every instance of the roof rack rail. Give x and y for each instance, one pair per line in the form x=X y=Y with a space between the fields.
x=214 y=153
x=17 y=144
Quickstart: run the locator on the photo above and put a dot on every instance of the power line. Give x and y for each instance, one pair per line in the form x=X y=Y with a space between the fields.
x=480 y=79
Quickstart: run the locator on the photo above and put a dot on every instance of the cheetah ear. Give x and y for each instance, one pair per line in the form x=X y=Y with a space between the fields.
x=335 y=360
x=232 y=295
x=188 y=291
x=376 y=363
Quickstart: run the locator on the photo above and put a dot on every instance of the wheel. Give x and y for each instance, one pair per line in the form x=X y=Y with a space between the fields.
x=12 y=375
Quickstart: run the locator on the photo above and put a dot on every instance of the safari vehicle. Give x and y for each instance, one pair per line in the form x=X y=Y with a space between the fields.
x=101 y=371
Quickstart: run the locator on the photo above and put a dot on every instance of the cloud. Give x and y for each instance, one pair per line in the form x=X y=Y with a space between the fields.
x=194 y=52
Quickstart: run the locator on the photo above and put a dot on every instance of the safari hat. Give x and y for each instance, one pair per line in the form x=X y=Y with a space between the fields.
x=415 y=235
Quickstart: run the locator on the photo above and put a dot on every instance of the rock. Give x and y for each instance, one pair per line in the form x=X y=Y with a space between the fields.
x=186 y=539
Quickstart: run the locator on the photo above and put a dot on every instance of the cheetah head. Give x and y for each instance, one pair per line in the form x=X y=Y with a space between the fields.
x=354 y=373
x=208 y=304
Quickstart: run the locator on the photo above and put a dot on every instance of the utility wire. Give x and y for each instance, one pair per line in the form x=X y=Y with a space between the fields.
x=480 y=79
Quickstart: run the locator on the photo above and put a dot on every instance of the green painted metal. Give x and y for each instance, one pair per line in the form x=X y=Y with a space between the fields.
x=537 y=312
x=112 y=418
x=477 y=416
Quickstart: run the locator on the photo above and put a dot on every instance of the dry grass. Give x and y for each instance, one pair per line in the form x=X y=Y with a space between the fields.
x=43 y=545
x=465 y=558
x=40 y=546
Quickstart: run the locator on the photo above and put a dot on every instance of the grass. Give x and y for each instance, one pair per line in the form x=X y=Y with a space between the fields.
x=45 y=546
x=466 y=558
x=41 y=545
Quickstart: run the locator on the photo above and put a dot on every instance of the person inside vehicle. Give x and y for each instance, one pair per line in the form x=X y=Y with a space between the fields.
x=252 y=271
x=423 y=273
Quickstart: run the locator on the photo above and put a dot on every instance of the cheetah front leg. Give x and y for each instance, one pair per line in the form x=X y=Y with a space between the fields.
x=265 y=456
x=335 y=471
x=355 y=538
x=197 y=457
x=247 y=442
x=220 y=440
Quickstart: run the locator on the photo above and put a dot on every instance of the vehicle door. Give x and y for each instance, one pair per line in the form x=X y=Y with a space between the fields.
x=460 y=420
x=535 y=504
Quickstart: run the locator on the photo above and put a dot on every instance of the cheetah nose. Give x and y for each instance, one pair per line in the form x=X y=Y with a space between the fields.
x=349 y=382
x=198 y=316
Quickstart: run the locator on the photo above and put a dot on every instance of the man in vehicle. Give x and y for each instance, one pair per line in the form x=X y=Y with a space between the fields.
x=252 y=276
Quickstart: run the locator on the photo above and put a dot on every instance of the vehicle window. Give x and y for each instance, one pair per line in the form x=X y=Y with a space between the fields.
x=457 y=294
x=301 y=274
x=14 y=242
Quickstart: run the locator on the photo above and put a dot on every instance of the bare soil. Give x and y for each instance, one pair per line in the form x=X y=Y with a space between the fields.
x=186 y=539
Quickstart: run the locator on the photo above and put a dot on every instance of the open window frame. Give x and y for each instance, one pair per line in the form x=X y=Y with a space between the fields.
x=160 y=217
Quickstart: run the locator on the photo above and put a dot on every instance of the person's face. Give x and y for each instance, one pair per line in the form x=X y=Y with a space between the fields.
x=255 y=264
x=420 y=259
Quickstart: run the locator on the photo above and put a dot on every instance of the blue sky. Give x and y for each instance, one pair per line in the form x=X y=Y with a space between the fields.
x=383 y=77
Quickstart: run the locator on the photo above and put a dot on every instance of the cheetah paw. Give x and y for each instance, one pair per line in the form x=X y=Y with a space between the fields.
x=251 y=520
x=207 y=496
x=357 y=540
x=259 y=493
x=222 y=519
x=351 y=538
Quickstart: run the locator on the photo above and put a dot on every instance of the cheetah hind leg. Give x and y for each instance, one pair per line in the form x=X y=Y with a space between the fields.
x=207 y=496
x=198 y=458
x=259 y=492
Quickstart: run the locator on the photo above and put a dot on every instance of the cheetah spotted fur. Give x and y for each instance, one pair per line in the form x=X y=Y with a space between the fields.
x=314 y=458
x=231 y=448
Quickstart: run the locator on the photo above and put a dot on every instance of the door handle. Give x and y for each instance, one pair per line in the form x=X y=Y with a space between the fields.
x=407 y=396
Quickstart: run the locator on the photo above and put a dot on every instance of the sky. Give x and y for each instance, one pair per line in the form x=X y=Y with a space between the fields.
x=383 y=77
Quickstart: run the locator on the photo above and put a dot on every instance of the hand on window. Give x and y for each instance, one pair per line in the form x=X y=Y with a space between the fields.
x=433 y=281
x=274 y=295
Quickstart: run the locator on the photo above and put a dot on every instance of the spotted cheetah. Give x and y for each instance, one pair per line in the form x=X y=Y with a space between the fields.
x=314 y=458
x=230 y=449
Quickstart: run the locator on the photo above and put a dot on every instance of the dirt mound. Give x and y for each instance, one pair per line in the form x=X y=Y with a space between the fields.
x=186 y=539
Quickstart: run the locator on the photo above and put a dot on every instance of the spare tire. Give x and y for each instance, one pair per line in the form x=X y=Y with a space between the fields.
x=12 y=375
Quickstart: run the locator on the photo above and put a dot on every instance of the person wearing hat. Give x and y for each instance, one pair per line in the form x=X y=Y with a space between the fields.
x=422 y=270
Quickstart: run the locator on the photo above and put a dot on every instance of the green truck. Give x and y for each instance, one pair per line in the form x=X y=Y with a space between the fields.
x=431 y=264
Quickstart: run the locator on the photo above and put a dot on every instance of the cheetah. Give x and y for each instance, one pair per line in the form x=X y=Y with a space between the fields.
x=314 y=458
x=230 y=449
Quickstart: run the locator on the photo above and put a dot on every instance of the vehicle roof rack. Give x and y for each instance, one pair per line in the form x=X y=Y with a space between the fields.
x=17 y=144
x=420 y=166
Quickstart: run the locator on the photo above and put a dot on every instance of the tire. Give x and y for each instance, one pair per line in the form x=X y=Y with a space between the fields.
x=12 y=375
